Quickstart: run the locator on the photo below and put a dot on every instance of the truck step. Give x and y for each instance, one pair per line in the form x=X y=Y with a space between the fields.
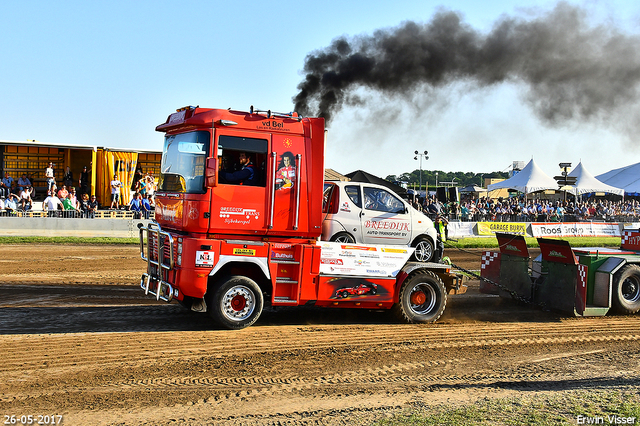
x=279 y=299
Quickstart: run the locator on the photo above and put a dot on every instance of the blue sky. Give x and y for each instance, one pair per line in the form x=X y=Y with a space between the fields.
x=106 y=73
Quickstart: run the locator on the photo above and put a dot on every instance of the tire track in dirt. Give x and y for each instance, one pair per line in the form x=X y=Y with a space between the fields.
x=65 y=350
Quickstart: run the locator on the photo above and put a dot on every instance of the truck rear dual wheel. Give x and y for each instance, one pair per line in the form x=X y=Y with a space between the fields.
x=237 y=303
x=423 y=298
x=626 y=291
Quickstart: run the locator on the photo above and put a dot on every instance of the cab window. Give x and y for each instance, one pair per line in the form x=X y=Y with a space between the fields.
x=353 y=192
x=233 y=154
x=382 y=200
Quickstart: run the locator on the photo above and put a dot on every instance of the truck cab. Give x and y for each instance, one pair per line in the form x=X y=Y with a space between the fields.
x=204 y=148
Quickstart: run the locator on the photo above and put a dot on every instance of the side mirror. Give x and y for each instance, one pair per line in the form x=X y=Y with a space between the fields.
x=210 y=178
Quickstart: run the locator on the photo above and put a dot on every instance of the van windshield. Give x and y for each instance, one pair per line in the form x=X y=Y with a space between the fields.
x=183 y=162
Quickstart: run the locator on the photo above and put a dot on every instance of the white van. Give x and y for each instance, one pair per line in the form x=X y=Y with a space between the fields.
x=366 y=213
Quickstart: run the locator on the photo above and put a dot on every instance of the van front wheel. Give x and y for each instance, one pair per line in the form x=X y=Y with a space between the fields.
x=343 y=237
x=425 y=251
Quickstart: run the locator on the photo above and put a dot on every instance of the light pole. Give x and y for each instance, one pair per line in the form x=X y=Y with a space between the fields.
x=436 y=179
x=426 y=157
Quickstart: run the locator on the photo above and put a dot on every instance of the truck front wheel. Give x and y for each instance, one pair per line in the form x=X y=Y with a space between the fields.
x=423 y=298
x=626 y=292
x=237 y=303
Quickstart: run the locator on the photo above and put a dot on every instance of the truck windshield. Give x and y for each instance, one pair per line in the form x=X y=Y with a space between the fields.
x=183 y=162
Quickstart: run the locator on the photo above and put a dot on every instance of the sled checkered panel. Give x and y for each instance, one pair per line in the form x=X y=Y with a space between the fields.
x=582 y=275
x=487 y=258
x=625 y=236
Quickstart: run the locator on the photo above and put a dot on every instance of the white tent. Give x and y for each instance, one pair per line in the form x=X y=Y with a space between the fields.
x=586 y=183
x=627 y=178
x=528 y=180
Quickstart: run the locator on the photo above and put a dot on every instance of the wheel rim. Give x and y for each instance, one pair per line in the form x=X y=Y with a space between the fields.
x=423 y=251
x=343 y=239
x=238 y=303
x=423 y=299
x=631 y=289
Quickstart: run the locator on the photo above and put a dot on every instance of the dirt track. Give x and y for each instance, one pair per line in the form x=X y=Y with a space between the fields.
x=79 y=339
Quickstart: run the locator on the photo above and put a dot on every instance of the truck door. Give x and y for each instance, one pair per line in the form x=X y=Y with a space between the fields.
x=385 y=219
x=287 y=185
x=272 y=200
x=239 y=202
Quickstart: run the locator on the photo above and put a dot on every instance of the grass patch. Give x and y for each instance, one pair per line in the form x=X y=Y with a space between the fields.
x=68 y=240
x=556 y=409
x=490 y=242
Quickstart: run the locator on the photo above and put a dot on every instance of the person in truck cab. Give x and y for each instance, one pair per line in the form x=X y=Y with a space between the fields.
x=247 y=175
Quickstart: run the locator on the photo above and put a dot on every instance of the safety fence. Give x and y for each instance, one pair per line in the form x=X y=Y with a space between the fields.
x=75 y=214
x=489 y=217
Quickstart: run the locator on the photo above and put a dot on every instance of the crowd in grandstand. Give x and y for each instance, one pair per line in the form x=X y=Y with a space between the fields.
x=17 y=196
x=518 y=209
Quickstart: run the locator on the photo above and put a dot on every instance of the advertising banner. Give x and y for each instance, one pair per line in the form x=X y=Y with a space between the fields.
x=575 y=229
x=490 y=228
x=360 y=260
x=461 y=229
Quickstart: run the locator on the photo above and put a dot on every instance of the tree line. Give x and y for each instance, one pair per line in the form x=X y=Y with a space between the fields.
x=459 y=179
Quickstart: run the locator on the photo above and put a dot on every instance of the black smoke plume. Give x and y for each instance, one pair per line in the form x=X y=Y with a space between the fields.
x=571 y=68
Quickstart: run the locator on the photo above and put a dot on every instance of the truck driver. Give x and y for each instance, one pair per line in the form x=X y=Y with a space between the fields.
x=248 y=175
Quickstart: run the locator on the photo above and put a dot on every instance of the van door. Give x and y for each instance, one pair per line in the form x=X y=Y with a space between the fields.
x=385 y=218
x=351 y=210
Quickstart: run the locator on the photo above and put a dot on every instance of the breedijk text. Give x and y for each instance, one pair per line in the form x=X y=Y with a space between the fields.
x=398 y=226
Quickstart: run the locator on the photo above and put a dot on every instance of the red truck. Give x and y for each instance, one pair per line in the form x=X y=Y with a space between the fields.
x=229 y=247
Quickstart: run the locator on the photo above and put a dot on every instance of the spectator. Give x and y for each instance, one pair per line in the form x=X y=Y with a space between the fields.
x=137 y=180
x=50 y=175
x=74 y=199
x=142 y=186
x=5 y=185
x=146 y=207
x=92 y=207
x=63 y=193
x=135 y=205
x=68 y=177
x=23 y=182
x=560 y=212
x=84 y=204
x=52 y=204
x=83 y=182
x=25 y=198
x=1 y=206
x=115 y=192
x=68 y=206
x=11 y=203
x=151 y=186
